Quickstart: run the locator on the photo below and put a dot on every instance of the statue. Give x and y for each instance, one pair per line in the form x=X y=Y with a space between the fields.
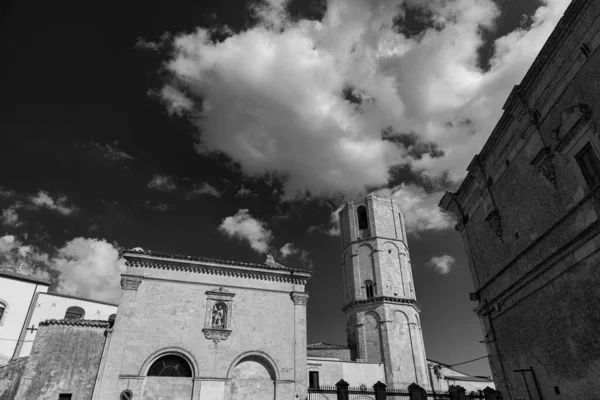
x=218 y=316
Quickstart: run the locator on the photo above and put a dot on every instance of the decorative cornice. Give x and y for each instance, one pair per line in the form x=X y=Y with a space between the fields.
x=23 y=277
x=381 y=299
x=299 y=298
x=131 y=282
x=288 y=278
x=220 y=292
x=216 y=335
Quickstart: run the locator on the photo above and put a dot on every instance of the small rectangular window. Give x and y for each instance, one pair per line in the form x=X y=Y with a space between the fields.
x=589 y=164
x=65 y=396
x=313 y=379
x=1 y=311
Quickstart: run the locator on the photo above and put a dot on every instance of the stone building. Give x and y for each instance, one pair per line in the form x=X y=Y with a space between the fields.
x=50 y=305
x=17 y=294
x=200 y=328
x=528 y=215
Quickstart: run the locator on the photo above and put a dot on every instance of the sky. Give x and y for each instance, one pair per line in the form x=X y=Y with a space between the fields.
x=233 y=129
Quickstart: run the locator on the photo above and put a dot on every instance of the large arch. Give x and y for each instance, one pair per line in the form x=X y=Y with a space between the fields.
x=372 y=337
x=253 y=375
x=258 y=354
x=178 y=351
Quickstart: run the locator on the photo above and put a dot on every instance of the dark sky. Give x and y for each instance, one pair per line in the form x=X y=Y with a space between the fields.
x=73 y=82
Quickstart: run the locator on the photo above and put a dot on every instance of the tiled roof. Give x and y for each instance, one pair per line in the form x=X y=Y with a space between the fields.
x=325 y=346
x=79 y=298
x=23 y=277
x=269 y=265
x=93 y=323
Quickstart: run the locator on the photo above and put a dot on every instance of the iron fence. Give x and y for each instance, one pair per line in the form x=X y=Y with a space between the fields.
x=397 y=394
x=361 y=393
x=322 y=393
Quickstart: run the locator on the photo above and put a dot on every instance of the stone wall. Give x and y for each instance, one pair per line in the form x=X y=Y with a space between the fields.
x=341 y=354
x=10 y=378
x=64 y=359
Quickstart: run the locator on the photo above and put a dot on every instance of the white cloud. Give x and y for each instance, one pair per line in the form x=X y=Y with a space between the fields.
x=419 y=208
x=288 y=250
x=243 y=192
x=163 y=183
x=442 y=264
x=44 y=200
x=272 y=94
x=204 y=188
x=333 y=228
x=10 y=217
x=89 y=268
x=243 y=226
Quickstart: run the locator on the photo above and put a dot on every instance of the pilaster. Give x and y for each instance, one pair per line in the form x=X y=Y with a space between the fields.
x=300 y=300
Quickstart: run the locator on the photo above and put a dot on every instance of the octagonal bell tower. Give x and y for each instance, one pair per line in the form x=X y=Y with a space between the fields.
x=382 y=314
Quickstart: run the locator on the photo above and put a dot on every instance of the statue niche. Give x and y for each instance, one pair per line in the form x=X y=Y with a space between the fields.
x=219 y=316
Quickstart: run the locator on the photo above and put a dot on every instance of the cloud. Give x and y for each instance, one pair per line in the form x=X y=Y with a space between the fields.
x=205 y=188
x=243 y=192
x=89 y=268
x=419 y=208
x=25 y=259
x=333 y=228
x=113 y=153
x=442 y=264
x=164 y=183
x=312 y=99
x=44 y=200
x=243 y=226
x=288 y=250
x=160 y=207
x=10 y=217
x=6 y=192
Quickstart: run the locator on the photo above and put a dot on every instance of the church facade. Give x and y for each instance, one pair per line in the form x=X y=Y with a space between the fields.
x=199 y=328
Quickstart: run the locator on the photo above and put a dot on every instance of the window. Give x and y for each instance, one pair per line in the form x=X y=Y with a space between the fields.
x=170 y=365
x=369 y=289
x=363 y=221
x=2 y=308
x=313 y=379
x=74 y=313
x=65 y=396
x=589 y=165
x=112 y=318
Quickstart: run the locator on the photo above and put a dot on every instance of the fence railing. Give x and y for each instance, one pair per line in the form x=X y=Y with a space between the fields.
x=343 y=391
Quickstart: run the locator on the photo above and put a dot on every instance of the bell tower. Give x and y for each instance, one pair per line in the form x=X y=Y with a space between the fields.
x=381 y=310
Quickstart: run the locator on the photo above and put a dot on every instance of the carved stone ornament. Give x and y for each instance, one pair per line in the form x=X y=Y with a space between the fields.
x=216 y=335
x=544 y=166
x=571 y=122
x=493 y=220
x=131 y=282
x=300 y=298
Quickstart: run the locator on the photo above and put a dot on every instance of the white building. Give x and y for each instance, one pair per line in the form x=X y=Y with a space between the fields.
x=58 y=306
x=17 y=294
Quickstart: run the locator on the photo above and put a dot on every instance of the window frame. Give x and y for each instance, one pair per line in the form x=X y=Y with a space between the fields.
x=591 y=173
x=363 y=218
x=71 y=310
x=311 y=379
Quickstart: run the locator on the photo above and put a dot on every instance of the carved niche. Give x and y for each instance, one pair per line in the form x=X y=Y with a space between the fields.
x=572 y=120
x=131 y=282
x=217 y=324
x=493 y=220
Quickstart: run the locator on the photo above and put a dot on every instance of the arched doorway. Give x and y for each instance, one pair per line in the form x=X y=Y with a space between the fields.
x=169 y=376
x=253 y=378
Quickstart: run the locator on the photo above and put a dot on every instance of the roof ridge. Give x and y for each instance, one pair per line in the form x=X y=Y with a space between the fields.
x=18 y=275
x=272 y=265
x=94 y=323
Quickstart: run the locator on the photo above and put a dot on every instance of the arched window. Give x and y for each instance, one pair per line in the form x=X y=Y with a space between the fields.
x=74 y=313
x=112 y=318
x=363 y=221
x=2 y=308
x=369 y=289
x=170 y=365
